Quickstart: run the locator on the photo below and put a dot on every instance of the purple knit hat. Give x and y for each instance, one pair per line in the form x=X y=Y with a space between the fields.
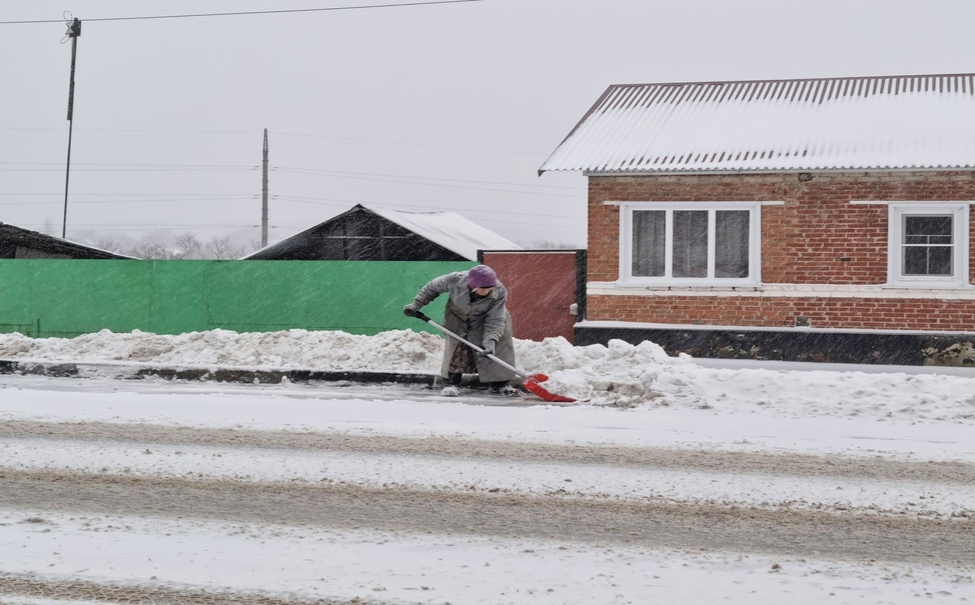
x=481 y=276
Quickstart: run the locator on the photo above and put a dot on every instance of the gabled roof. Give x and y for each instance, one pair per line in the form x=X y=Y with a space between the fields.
x=883 y=123
x=448 y=229
x=447 y=232
x=17 y=242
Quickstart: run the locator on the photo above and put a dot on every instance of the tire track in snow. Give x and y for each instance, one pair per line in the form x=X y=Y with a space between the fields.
x=653 y=525
x=740 y=462
x=16 y=585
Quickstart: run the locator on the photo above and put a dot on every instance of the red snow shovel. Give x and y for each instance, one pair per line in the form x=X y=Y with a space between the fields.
x=531 y=380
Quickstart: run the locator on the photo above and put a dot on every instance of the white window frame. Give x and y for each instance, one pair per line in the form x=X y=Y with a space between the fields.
x=895 y=257
x=754 y=244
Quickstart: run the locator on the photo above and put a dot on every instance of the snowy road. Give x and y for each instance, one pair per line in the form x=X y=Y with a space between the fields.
x=594 y=515
x=156 y=467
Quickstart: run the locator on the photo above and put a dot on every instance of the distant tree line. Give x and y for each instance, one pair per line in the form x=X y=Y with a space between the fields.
x=184 y=246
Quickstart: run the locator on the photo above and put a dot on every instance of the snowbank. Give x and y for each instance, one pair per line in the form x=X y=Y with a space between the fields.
x=620 y=374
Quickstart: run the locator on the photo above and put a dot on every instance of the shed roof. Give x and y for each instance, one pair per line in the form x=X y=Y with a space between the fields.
x=448 y=230
x=25 y=243
x=880 y=123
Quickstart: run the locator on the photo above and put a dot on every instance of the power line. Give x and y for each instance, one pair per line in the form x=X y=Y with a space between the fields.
x=249 y=168
x=406 y=176
x=320 y=136
x=143 y=227
x=394 y=180
x=331 y=202
x=99 y=228
x=126 y=201
x=139 y=130
x=150 y=226
x=221 y=195
x=241 y=13
x=386 y=178
x=236 y=166
x=288 y=134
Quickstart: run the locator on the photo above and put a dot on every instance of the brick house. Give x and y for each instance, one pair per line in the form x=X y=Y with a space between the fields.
x=819 y=219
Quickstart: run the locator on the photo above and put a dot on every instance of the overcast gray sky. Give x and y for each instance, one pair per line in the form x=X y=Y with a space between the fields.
x=417 y=108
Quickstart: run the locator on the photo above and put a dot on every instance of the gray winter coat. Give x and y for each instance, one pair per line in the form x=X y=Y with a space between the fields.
x=484 y=321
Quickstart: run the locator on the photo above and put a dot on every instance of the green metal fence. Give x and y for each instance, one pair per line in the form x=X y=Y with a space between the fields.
x=44 y=297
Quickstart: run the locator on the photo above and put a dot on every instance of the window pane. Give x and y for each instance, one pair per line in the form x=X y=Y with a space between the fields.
x=927 y=230
x=927 y=245
x=928 y=260
x=731 y=243
x=649 y=241
x=691 y=243
x=939 y=260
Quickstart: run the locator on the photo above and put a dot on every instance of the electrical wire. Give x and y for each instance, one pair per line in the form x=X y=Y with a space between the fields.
x=264 y=12
x=236 y=166
x=321 y=136
x=248 y=168
x=225 y=195
x=279 y=133
x=363 y=178
x=406 y=176
x=162 y=226
x=369 y=176
x=153 y=201
x=328 y=202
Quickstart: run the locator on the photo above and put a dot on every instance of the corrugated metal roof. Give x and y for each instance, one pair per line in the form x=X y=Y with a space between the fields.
x=19 y=237
x=884 y=123
x=450 y=230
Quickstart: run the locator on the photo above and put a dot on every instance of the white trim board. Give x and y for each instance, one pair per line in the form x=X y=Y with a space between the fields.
x=617 y=203
x=887 y=202
x=782 y=291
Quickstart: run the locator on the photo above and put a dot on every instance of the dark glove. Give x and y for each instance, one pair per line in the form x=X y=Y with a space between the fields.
x=411 y=310
x=488 y=349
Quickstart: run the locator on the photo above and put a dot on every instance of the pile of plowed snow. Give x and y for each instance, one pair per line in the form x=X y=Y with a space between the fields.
x=619 y=374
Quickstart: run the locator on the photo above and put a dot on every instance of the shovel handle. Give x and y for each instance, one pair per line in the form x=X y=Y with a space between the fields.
x=423 y=317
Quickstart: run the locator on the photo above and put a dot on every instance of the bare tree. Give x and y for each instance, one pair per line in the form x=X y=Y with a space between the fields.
x=189 y=246
x=152 y=250
x=251 y=246
x=161 y=245
x=220 y=248
x=109 y=244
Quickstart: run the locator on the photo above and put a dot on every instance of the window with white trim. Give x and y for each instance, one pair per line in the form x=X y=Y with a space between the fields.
x=690 y=243
x=928 y=245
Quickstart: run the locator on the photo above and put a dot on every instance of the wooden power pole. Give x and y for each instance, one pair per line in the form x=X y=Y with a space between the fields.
x=74 y=31
x=264 y=197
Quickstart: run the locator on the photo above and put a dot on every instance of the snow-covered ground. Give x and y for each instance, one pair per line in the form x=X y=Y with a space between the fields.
x=621 y=374
x=635 y=397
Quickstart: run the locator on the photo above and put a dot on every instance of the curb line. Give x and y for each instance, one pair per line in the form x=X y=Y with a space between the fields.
x=203 y=374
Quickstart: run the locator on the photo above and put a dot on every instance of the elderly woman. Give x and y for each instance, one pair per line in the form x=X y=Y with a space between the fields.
x=475 y=311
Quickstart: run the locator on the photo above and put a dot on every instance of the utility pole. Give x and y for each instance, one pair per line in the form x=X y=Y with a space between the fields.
x=264 y=197
x=74 y=32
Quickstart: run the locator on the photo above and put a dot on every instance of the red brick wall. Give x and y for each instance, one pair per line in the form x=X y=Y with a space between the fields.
x=849 y=313
x=816 y=237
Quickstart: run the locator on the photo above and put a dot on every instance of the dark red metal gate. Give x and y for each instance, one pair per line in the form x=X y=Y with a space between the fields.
x=546 y=289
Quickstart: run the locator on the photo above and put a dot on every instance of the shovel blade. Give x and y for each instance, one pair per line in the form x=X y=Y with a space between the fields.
x=532 y=384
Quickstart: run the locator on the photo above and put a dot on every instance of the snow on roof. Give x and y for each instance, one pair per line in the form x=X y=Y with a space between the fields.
x=896 y=122
x=448 y=229
x=30 y=238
